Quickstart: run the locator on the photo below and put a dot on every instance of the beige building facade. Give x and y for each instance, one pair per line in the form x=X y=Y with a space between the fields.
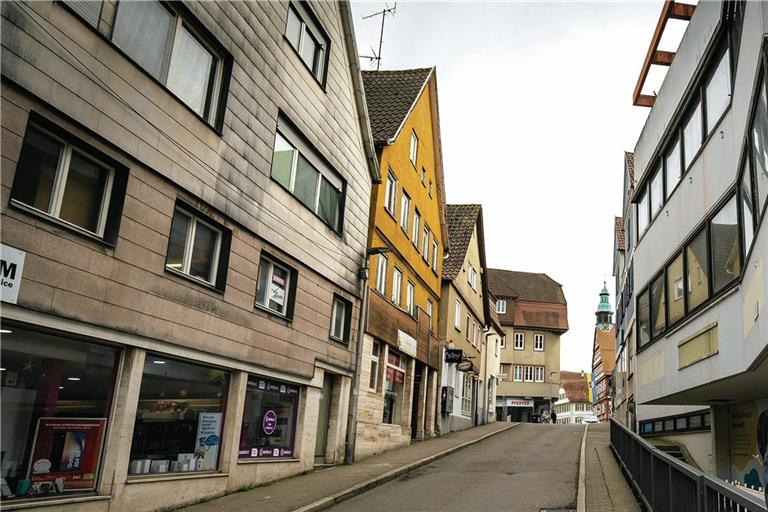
x=185 y=216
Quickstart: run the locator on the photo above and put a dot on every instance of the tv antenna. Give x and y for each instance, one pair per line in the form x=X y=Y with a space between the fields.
x=376 y=56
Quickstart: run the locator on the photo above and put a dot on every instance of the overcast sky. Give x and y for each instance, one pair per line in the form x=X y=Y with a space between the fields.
x=535 y=114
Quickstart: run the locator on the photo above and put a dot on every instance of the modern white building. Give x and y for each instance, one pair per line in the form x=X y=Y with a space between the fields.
x=575 y=400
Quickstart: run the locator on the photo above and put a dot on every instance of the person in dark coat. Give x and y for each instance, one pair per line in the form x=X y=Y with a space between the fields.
x=553 y=416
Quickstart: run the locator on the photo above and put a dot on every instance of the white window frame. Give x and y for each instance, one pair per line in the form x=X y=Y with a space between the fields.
x=501 y=306
x=430 y=312
x=538 y=342
x=471 y=276
x=435 y=249
x=375 y=360
x=194 y=220
x=405 y=211
x=340 y=306
x=314 y=31
x=397 y=286
x=538 y=374
x=390 y=193
x=503 y=342
x=381 y=274
x=474 y=333
x=425 y=244
x=410 y=298
x=466 y=395
x=414 y=149
x=60 y=182
x=528 y=376
x=467 y=335
x=519 y=341
x=457 y=316
x=416 y=228
x=517 y=375
x=289 y=276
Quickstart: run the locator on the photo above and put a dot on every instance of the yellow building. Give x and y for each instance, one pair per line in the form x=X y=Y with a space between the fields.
x=398 y=382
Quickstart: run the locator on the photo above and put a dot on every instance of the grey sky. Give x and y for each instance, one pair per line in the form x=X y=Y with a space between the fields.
x=535 y=113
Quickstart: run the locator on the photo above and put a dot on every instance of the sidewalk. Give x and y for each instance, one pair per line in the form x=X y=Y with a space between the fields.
x=606 y=488
x=322 y=488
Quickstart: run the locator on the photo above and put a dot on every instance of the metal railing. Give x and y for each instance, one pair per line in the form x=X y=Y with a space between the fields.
x=665 y=484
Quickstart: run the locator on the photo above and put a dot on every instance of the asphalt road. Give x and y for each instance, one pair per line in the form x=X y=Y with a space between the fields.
x=527 y=468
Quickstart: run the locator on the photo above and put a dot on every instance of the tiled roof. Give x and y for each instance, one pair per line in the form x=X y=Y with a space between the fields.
x=606 y=341
x=575 y=386
x=461 y=220
x=390 y=95
x=492 y=314
x=629 y=163
x=534 y=287
x=619 y=227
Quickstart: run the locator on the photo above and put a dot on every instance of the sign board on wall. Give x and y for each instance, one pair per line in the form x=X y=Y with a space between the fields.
x=406 y=343
x=453 y=355
x=518 y=402
x=11 y=268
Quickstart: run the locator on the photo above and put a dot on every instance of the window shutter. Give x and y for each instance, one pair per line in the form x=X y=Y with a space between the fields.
x=89 y=10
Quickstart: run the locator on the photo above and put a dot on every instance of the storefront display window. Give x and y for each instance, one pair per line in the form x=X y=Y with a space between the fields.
x=56 y=399
x=394 y=388
x=269 y=419
x=179 y=417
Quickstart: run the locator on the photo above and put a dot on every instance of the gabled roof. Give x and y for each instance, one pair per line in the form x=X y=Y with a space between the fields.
x=619 y=229
x=461 y=220
x=390 y=96
x=605 y=342
x=493 y=316
x=575 y=386
x=534 y=287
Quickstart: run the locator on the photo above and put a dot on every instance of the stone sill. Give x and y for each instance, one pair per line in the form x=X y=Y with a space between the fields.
x=33 y=503
x=166 y=477
x=265 y=461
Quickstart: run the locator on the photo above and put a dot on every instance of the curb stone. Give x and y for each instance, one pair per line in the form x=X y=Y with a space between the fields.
x=362 y=487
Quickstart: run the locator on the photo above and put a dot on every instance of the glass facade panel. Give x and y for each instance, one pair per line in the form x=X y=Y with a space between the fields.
x=718 y=92
x=760 y=148
x=56 y=397
x=675 y=293
x=179 y=417
x=726 y=260
x=643 y=318
x=692 y=136
x=177 y=242
x=657 y=306
x=672 y=163
x=657 y=192
x=697 y=261
x=203 y=252
x=269 y=419
x=328 y=205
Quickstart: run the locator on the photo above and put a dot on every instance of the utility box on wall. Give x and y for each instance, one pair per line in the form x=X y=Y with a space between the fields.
x=446 y=400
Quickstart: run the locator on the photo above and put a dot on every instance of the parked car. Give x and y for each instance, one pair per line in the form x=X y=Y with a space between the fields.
x=590 y=418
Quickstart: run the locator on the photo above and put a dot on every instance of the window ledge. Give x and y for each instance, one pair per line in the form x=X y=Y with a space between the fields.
x=266 y=461
x=34 y=503
x=192 y=279
x=168 y=477
x=275 y=314
x=50 y=219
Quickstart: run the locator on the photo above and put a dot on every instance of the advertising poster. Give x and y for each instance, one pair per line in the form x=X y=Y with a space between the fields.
x=208 y=439
x=748 y=421
x=269 y=420
x=66 y=452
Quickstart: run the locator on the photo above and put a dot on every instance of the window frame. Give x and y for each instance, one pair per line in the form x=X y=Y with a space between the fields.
x=538 y=370
x=339 y=301
x=519 y=341
x=290 y=286
x=425 y=244
x=405 y=212
x=390 y=193
x=413 y=151
x=435 y=249
x=375 y=361
x=528 y=373
x=501 y=306
x=410 y=298
x=416 y=228
x=195 y=218
x=304 y=12
x=538 y=339
x=397 y=300
x=382 y=263
x=457 y=316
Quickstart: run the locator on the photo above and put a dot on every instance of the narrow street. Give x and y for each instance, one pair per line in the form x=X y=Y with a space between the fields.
x=527 y=468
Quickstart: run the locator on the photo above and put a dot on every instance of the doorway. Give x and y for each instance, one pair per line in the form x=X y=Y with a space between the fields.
x=416 y=400
x=323 y=417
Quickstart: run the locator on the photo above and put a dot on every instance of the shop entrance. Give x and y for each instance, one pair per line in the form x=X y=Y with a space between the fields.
x=323 y=417
x=416 y=400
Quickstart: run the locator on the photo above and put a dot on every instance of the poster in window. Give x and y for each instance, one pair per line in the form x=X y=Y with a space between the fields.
x=66 y=454
x=269 y=420
x=208 y=440
x=277 y=289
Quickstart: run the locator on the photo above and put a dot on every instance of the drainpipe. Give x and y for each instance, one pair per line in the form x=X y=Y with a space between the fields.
x=349 y=452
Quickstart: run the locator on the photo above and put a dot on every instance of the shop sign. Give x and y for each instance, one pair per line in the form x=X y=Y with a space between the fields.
x=406 y=343
x=517 y=402
x=11 y=268
x=454 y=355
x=208 y=439
x=464 y=366
x=65 y=455
x=269 y=423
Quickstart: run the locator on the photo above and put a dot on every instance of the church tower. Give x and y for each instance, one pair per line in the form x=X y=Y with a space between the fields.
x=604 y=314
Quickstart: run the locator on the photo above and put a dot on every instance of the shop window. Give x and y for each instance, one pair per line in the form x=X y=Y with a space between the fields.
x=373 y=382
x=726 y=260
x=341 y=316
x=179 y=417
x=697 y=262
x=197 y=247
x=56 y=402
x=174 y=51
x=308 y=38
x=394 y=390
x=303 y=173
x=269 y=419
x=675 y=292
x=64 y=180
x=276 y=286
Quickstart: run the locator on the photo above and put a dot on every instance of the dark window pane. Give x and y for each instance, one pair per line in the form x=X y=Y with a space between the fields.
x=657 y=193
x=675 y=293
x=305 y=185
x=718 y=92
x=669 y=425
x=293 y=28
x=760 y=149
x=697 y=260
x=177 y=241
x=681 y=423
x=84 y=193
x=747 y=208
x=726 y=261
x=36 y=171
x=643 y=318
x=657 y=305
x=190 y=70
x=673 y=171
x=692 y=136
x=142 y=30
x=328 y=207
x=282 y=161
x=203 y=252
x=642 y=213
x=694 y=421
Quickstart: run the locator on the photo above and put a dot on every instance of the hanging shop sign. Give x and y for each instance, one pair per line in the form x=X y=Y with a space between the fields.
x=11 y=268
x=406 y=343
x=65 y=455
x=464 y=366
x=454 y=355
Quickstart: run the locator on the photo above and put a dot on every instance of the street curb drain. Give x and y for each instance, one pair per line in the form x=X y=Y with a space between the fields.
x=362 y=487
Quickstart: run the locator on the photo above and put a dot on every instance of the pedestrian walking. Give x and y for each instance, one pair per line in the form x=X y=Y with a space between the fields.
x=553 y=417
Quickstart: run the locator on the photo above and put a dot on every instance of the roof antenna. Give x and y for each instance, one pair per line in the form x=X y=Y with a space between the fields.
x=376 y=56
